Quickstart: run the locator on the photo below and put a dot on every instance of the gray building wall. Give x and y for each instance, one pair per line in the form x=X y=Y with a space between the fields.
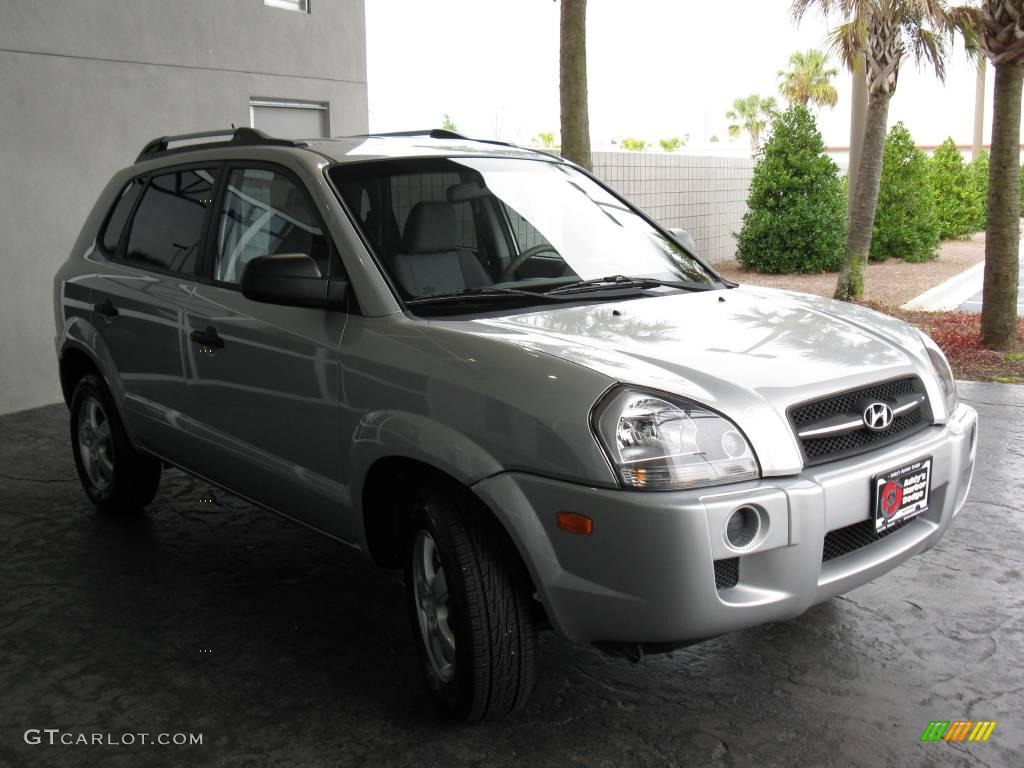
x=85 y=83
x=705 y=195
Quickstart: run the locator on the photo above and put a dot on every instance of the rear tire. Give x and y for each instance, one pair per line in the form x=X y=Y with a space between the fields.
x=115 y=476
x=469 y=606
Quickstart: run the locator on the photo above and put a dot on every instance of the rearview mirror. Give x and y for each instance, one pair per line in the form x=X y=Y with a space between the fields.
x=684 y=239
x=293 y=280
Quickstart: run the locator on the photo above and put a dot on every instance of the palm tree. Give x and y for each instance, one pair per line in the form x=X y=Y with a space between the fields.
x=808 y=81
x=883 y=32
x=572 y=69
x=752 y=115
x=999 y=24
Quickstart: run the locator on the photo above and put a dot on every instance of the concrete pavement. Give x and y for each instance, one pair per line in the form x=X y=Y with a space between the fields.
x=962 y=293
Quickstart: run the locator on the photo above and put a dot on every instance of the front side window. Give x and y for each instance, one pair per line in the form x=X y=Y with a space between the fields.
x=263 y=213
x=507 y=226
x=168 y=225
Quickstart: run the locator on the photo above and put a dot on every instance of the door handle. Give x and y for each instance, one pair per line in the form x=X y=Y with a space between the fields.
x=106 y=308
x=207 y=338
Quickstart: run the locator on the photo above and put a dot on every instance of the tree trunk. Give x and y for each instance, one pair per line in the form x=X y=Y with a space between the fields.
x=1002 y=235
x=979 y=110
x=857 y=111
x=862 y=214
x=573 y=83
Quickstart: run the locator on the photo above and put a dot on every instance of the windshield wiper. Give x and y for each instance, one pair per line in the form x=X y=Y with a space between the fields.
x=472 y=294
x=613 y=282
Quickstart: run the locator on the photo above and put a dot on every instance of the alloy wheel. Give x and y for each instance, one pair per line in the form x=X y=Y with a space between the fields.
x=433 y=607
x=95 y=446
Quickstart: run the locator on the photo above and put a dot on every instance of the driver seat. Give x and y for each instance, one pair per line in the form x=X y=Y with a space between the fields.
x=430 y=260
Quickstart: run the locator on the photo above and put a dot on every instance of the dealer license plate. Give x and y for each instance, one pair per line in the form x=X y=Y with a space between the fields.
x=901 y=494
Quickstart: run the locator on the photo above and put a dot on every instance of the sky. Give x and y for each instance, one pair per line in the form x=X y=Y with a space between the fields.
x=656 y=69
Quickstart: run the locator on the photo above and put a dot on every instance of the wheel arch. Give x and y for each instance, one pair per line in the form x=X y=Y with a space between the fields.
x=75 y=363
x=77 y=360
x=385 y=506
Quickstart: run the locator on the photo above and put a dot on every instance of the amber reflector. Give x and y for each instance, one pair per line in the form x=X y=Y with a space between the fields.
x=573 y=523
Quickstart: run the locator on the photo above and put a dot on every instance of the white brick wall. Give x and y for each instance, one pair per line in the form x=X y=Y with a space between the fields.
x=705 y=195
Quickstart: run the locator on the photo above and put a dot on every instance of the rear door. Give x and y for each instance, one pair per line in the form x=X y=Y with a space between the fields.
x=263 y=379
x=152 y=241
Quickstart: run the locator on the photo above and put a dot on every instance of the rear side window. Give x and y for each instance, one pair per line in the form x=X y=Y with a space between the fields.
x=168 y=225
x=119 y=216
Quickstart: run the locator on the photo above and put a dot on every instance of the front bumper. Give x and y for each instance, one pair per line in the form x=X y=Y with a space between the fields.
x=646 y=574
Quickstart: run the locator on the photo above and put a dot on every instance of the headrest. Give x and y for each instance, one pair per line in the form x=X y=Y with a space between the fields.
x=430 y=228
x=467 y=190
x=286 y=199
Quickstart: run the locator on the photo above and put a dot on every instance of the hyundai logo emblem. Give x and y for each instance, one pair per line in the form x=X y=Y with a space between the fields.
x=878 y=416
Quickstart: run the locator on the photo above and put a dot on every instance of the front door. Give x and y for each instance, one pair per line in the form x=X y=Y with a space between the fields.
x=263 y=379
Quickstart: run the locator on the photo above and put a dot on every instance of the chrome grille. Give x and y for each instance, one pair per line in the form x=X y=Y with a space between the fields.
x=848 y=407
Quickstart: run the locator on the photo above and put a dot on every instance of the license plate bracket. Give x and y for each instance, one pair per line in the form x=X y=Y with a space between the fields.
x=901 y=494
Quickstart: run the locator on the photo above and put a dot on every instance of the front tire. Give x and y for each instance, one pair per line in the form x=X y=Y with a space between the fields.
x=469 y=606
x=115 y=476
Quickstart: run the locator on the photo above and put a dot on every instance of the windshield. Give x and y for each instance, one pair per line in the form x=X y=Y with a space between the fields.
x=506 y=229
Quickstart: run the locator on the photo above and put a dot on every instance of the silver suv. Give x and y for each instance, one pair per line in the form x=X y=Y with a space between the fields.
x=478 y=363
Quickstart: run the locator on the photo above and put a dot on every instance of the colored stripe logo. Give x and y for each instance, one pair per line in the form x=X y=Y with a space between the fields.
x=958 y=730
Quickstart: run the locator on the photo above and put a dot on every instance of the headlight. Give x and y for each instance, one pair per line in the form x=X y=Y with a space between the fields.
x=942 y=372
x=662 y=444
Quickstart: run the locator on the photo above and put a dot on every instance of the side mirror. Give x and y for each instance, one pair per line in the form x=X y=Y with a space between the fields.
x=292 y=280
x=684 y=239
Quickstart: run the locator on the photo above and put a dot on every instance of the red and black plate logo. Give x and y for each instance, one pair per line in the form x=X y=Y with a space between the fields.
x=892 y=498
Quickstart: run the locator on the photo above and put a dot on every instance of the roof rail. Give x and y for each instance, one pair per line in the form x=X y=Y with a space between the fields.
x=239 y=137
x=434 y=133
x=444 y=133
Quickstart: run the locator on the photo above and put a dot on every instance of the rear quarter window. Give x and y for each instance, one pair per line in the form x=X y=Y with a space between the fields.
x=119 y=215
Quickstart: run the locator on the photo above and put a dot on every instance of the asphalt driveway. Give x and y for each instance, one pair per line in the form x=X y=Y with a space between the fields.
x=209 y=616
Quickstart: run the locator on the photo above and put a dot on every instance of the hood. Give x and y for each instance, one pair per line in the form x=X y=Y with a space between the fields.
x=749 y=353
x=777 y=344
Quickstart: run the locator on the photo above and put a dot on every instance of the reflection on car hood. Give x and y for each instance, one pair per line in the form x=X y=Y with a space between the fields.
x=715 y=346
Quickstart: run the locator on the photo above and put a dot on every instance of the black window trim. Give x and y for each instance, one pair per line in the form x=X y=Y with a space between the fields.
x=119 y=256
x=204 y=267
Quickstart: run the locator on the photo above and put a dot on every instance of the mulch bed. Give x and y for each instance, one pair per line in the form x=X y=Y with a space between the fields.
x=890 y=284
x=959 y=336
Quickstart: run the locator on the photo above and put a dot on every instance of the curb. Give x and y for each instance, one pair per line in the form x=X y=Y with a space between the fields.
x=952 y=293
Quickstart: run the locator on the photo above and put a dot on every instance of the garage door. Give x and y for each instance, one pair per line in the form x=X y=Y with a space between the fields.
x=290 y=119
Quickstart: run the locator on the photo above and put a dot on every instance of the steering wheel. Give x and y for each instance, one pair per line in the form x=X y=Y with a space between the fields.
x=509 y=272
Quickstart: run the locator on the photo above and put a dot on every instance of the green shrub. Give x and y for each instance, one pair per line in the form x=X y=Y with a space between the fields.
x=633 y=145
x=796 y=208
x=905 y=222
x=951 y=189
x=977 y=171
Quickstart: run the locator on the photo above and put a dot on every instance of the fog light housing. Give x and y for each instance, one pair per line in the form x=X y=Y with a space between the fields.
x=744 y=527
